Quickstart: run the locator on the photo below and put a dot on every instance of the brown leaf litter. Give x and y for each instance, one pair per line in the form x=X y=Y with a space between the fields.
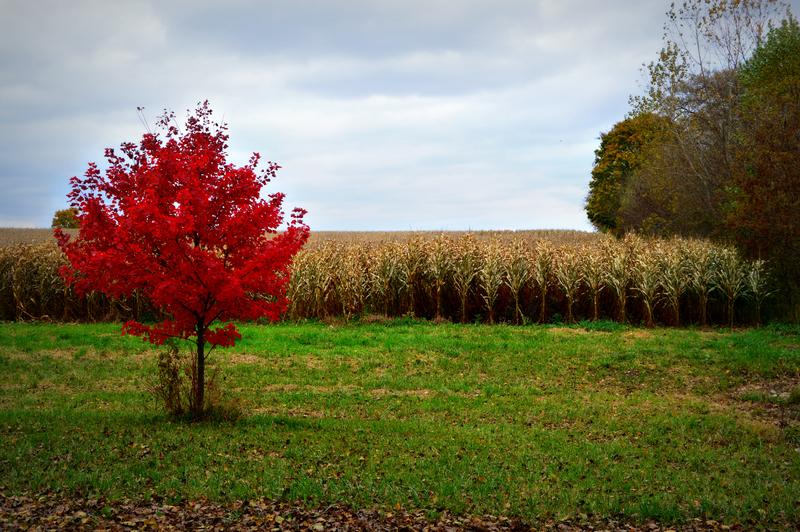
x=54 y=511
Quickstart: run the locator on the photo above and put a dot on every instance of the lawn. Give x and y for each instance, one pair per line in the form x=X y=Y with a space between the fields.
x=535 y=422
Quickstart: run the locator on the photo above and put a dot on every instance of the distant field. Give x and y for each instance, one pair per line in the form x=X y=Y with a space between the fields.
x=531 y=235
x=12 y=235
x=17 y=235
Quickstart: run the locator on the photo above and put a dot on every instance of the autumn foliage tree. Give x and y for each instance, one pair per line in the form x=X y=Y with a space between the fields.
x=65 y=219
x=622 y=151
x=171 y=219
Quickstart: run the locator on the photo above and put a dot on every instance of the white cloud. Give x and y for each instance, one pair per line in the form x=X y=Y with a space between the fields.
x=384 y=115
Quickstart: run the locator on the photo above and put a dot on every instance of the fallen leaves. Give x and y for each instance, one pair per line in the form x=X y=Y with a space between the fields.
x=52 y=511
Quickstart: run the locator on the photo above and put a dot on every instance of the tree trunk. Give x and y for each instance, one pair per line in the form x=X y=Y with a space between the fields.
x=199 y=382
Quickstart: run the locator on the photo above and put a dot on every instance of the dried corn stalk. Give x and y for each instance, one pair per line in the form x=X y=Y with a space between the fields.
x=440 y=267
x=646 y=281
x=593 y=264
x=466 y=261
x=569 y=276
x=542 y=273
x=490 y=276
x=518 y=272
x=730 y=278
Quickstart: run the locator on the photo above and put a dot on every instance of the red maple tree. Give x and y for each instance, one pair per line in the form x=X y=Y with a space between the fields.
x=171 y=219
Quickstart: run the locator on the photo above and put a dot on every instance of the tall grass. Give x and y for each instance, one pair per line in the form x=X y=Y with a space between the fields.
x=458 y=278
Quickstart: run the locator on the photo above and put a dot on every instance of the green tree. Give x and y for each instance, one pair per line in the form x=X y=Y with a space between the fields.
x=66 y=219
x=620 y=154
x=765 y=216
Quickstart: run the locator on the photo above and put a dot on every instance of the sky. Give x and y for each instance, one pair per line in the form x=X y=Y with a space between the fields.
x=384 y=115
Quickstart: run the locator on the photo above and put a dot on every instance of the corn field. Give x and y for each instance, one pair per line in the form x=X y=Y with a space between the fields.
x=457 y=278
x=31 y=288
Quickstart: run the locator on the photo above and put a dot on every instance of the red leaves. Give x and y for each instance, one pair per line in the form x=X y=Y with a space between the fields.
x=224 y=336
x=171 y=219
x=155 y=334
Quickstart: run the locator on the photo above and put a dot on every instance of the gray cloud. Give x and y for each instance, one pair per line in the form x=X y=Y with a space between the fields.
x=384 y=115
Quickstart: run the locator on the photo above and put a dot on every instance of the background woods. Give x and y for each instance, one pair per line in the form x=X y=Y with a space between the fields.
x=712 y=148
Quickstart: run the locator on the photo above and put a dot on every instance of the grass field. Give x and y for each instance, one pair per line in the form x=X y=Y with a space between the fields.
x=534 y=422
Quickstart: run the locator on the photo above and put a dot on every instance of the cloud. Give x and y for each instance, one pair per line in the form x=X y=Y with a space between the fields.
x=384 y=115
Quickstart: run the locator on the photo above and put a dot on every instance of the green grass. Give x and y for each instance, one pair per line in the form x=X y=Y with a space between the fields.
x=535 y=422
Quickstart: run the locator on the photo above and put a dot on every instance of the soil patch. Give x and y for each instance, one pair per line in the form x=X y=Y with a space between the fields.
x=383 y=392
x=570 y=331
x=244 y=358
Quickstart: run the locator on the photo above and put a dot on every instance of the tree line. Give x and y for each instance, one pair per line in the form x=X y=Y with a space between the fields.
x=712 y=147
